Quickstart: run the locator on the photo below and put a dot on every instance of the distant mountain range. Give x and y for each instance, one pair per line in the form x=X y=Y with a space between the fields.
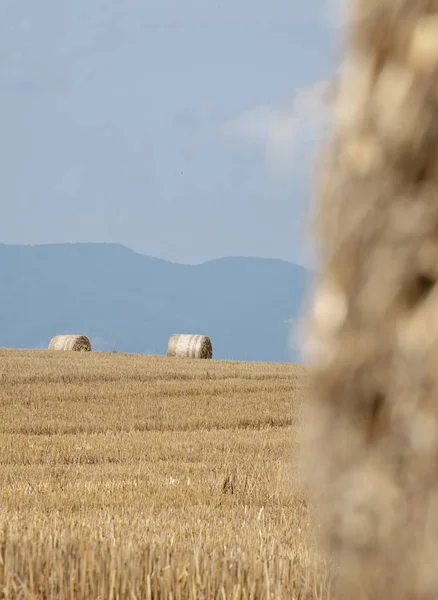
x=128 y=302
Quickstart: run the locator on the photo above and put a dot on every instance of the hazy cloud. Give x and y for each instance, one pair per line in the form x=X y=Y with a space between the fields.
x=336 y=13
x=276 y=129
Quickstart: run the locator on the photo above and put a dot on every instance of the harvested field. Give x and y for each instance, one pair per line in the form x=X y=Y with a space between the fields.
x=128 y=476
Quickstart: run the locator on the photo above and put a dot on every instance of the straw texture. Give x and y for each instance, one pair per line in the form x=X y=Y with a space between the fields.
x=370 y=444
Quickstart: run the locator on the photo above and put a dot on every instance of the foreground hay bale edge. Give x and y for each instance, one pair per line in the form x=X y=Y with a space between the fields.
x=190 y=346
x=78 y=343
x=371 y=442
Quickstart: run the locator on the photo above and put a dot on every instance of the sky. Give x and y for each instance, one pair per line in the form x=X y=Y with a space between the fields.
x=184 y=130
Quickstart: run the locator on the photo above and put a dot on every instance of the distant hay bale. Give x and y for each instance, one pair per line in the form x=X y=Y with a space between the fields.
x=78 y=343
x=190 y=346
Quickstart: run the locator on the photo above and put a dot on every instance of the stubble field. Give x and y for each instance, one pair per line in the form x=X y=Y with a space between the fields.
x=127 y=476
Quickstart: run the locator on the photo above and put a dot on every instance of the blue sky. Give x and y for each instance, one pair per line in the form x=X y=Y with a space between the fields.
x=169 y=126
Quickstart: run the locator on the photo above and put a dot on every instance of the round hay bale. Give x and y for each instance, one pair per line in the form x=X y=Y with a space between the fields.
x=190 y=346
x=78 y=343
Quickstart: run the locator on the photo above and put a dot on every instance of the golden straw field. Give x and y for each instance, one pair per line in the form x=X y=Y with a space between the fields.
x=126 y=476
